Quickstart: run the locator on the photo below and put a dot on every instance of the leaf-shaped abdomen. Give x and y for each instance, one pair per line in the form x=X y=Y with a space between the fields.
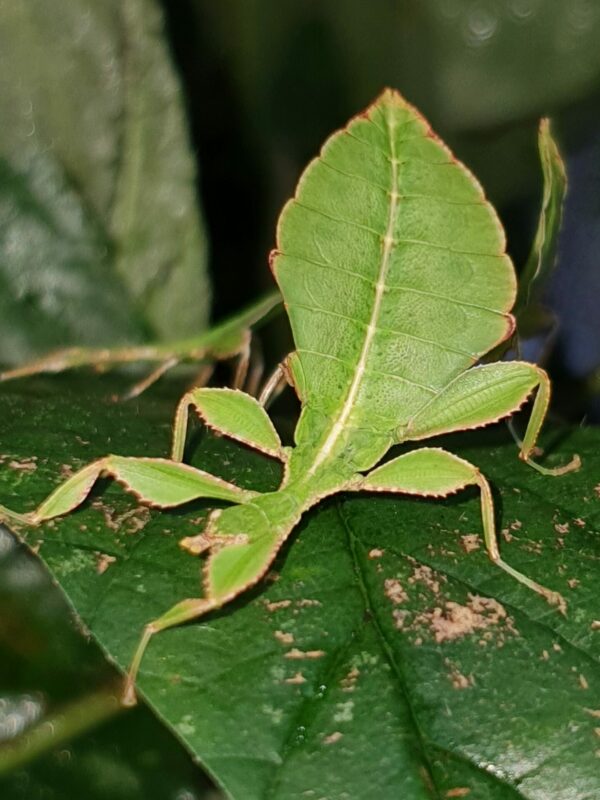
x=392 y=268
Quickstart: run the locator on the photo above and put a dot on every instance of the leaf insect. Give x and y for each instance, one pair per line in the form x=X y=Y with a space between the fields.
x=393 y=270
x=227 y=340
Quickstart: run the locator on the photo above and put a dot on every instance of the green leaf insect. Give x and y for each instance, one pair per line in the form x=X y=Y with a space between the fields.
x=393 y=271
x=229 y=339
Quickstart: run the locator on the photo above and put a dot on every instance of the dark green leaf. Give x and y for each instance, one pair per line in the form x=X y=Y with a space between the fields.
x=386 y=658
x=100 y=236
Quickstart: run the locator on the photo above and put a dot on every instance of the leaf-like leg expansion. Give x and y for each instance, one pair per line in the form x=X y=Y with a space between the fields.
x=157 y=482
x=483 y=395
x=243 y=541
x=232 y=413
x=433 y=472
x=138 y=388
x=274 y=386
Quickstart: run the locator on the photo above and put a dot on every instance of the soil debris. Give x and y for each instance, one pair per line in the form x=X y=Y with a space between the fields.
x=333 y=738
x=460 y=791
x=103 y=562
x=128 y=522
x=375 y=553
x=394 y=591
x=297 y=654
x=400 y=617
x=458 y=680
x=470 y=542
x=348 y=682
x=284 y=638
x=296 y=679
x=583 y=682
x=426 y=576
x=454 y=621
x=277 y=604
x=506 y=535
x=27 y=465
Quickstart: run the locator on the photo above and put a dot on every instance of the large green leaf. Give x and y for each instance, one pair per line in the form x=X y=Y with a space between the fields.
x=100 y=235
x=385 y=656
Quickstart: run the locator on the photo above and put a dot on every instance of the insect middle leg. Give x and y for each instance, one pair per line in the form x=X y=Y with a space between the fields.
x=486 y=394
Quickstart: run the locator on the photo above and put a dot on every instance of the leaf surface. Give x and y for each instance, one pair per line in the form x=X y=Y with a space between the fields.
x=386 y=657
x=100 y=233
x=386 y=212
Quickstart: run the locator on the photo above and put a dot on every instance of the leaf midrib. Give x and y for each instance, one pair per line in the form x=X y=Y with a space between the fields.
x=388 y=243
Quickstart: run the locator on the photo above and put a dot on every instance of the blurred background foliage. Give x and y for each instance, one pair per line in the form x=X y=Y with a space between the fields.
x=121 y=119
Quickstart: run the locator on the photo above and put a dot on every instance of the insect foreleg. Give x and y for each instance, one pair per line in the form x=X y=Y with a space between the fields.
x=157 y=482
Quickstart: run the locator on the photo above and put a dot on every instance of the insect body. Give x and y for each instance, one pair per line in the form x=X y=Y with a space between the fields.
x=392 y=268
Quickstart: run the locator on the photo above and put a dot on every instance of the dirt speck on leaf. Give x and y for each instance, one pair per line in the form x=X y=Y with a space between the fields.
x=307 y=603
x=458 y=680
x=297 y=654
x=460 y=791
x=333 y=738
x=129 y=522
x=284 y=638
x=375 y=553
x=26 y=465
x=277 y=604
x=453 y=620
x=470 y=542
x=348 y=682
x=103 y=562
x=394 y=591
x=506 y=535
x=583 y=682
x=400 y=618
x=595 y=626
x=425 y=576
x=296 y=679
